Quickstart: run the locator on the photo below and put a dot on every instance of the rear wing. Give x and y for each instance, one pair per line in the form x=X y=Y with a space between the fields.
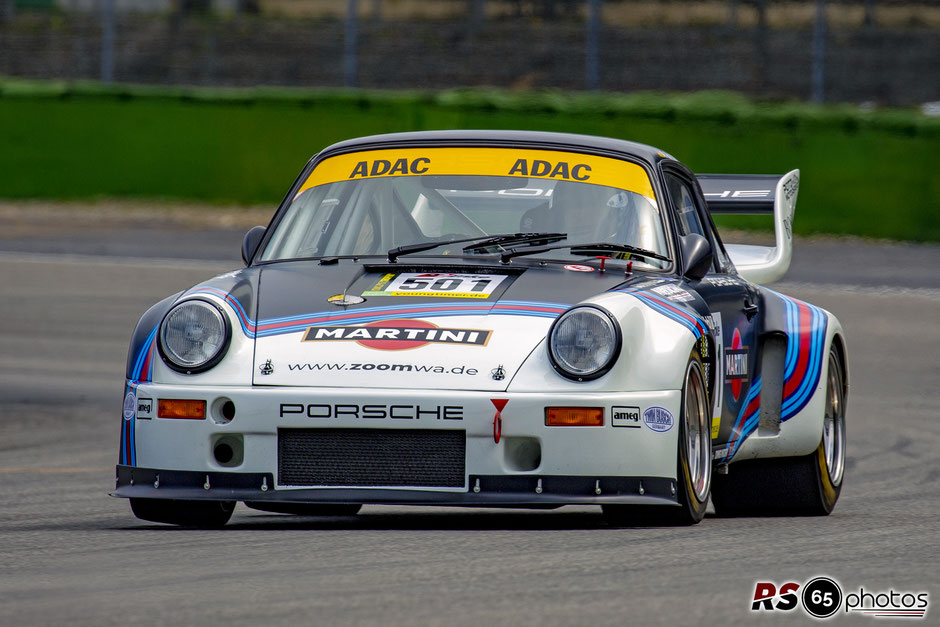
x=763 y=195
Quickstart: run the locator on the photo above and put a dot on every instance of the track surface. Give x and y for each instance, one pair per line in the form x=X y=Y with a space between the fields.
x=70 y=554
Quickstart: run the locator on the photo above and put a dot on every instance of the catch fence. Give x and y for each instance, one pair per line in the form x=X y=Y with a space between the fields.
x=879 y=51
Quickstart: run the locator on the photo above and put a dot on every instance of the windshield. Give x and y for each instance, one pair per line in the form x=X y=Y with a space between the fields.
x=371 y=202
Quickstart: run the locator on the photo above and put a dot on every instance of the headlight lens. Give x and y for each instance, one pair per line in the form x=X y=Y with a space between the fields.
x=584 y=343
x=194 y=336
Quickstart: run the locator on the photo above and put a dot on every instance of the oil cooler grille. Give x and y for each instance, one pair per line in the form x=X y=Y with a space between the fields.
x=371 y=457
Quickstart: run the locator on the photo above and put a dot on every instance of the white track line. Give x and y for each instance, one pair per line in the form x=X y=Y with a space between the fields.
x=866 y=290
x=107 y=260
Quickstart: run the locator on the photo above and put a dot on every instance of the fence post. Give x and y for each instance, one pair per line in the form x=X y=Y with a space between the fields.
x=477 y=12
x=761 y=34
x=349 y=44
x=819 y=53
x=7 y=10
x=591 y=69
x=107 y=41
x=869 y=13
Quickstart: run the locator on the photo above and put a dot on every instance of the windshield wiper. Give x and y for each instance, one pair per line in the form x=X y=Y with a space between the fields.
x=483 y=242
x=515 y=238
x=586 y=249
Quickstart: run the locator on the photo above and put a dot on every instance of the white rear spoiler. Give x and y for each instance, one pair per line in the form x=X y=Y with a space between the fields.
x=757 y=194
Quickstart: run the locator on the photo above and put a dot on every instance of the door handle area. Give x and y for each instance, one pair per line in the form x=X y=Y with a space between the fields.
x=750 y=309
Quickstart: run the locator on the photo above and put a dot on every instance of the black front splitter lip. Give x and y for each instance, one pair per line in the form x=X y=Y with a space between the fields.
x=494 y=490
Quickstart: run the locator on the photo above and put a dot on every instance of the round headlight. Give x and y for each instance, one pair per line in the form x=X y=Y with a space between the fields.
x=194 y=336
x=584 y=343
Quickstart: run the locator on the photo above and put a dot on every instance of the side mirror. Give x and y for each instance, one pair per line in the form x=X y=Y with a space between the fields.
x=696 y=255
x=251 y=242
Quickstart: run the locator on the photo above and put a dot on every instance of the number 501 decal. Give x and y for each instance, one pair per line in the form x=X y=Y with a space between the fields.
x=437 y=284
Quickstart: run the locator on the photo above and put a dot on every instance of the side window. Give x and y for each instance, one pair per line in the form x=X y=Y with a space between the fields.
x=684 y=202
x=722 y=262
x=692 y=217
x=721 y=255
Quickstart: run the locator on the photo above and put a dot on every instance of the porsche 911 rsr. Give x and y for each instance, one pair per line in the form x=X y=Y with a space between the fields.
x=482 y=318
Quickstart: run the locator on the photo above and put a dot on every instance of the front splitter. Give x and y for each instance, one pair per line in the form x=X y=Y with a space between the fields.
x=483 y=490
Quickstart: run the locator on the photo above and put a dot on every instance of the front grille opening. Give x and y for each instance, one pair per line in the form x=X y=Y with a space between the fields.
x=371 y=457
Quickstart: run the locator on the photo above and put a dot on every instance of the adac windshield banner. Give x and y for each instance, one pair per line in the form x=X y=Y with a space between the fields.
x=540 y=164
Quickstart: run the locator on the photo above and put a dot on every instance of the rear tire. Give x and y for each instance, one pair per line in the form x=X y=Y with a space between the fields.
x=693 y=466
x=198 y=514
x=808 y=485
x=305 y=509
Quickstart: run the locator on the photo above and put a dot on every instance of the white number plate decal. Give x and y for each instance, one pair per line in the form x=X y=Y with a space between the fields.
x=437 y=284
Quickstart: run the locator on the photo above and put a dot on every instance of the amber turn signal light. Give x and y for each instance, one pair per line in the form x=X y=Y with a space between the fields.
x=177 y=408
x=574 y=416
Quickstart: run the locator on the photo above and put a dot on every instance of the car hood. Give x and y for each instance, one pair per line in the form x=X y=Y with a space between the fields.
x=461 y=327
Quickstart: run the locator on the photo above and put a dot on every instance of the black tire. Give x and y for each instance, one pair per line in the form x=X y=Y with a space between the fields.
x=305 y=509
x=807 y=485
x=198 y=514
x=693 y=464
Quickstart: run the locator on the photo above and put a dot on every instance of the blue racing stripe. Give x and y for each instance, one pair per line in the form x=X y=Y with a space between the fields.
x=792 y=352
x=672 y=315
x=405 y=316
x=813 y=369
x=385 y=312
x=806 y=387
x=142 y=354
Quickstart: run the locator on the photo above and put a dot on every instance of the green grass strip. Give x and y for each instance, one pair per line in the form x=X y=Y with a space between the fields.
x=869 y=173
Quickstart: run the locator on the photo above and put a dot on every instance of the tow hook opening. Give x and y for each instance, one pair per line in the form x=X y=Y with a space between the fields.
x=228 y=450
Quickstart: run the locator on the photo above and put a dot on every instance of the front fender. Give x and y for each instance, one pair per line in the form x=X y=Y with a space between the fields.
x=234 y=293
x=653 y=355
x=142 y=351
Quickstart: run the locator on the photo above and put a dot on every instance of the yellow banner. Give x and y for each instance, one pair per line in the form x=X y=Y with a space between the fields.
x=539 y=164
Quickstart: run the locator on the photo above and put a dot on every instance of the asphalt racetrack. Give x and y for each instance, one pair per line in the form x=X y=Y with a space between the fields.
x=70 y=554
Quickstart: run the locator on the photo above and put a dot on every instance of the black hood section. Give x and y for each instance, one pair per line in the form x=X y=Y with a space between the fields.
x=295 y=288
x=302 y=287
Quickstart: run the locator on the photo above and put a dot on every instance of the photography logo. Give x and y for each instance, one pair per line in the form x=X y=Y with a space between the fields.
x=822 y=597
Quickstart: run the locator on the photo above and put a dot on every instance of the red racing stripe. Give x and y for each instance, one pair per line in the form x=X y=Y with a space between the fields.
x=530 y=308
x=752 y=407
x=350 y=317
x=127 y=441
x=684 y=314
x=803 y=355
x=145 y=369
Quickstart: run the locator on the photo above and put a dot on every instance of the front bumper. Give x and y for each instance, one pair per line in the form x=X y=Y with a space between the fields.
x=626 y=463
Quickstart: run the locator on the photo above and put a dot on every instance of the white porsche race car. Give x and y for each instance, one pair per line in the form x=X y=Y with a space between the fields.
x=483 y=318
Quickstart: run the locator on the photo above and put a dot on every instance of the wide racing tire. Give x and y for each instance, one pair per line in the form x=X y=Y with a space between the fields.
x=198 y=514
x=693 y=457
x=806 y=485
